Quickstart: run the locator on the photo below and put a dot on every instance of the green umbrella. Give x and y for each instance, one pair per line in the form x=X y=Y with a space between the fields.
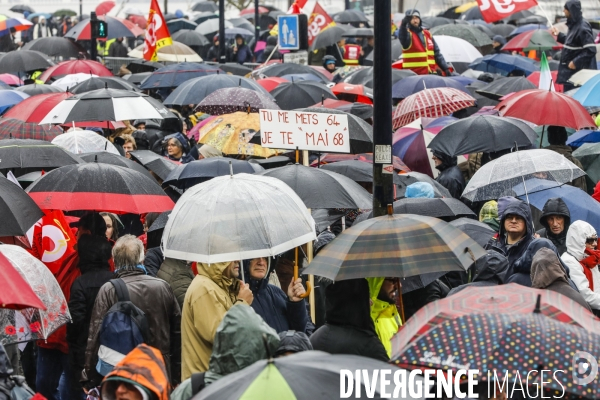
x=538 y=39
x=467 y=32
x=589 y=156
x=65 y=12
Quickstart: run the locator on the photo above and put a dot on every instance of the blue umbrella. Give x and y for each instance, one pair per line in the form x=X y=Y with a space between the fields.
x=463 y=80
x=525 y=28
x=9 y=98
x=589 y=93
x=413 y=84
x=583 y=136
x=504 y=64
x=175 y=74
x=39 y=14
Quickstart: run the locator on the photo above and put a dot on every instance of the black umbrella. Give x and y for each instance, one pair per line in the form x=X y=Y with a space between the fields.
x=478 y=231
x=242 y=23
x=292 y=95
x=439 y=208
x=187 y=175
x=56 y=47
x=351 y=16
x=21 y=8
x=171 y=76
x=413 y=177
x=517 y=16
x=137 y=78
x=271 y=162
x=205 y=16
x=138 y=66
x=29 y=153
x=230 y=100
x=235 y=69
x=105 y=157
x=322 y=189
x=101 y=82
x=191 y=38
x=34 y=88
x=328 y=37
x=159 y=165
x=484 y=28
x=473 y=13
x=18 y=211
x=175 y=25
x=502 y=29
x=358 y=171
x=358 y=32
x=483 y=133
x=505 y=85
x=205 y=6
x=467 y=32
x=431 y=22
x=450 y=13
x=281 y=69
x=160 y=222
x=364 y=76
x=361 y=110
x=23 y=61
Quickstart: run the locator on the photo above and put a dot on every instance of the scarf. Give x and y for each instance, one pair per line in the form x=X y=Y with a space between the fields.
x=589 y=263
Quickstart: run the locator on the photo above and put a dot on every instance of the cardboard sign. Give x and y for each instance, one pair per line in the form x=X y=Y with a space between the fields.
x=299 y=57
x=320 y=132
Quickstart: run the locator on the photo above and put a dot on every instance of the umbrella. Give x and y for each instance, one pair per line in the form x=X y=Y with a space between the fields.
x=271 y=83
x=532 y=19
x=457 y=50
x=583 y=136
x=106 y=105
x=235 y=69
x=205 y=6
x=71 y=80
x=35 y=108
x=501 y=87
x=359 y=32
x=204 y=16
x=75 y=66
x=21 y=8
x=544 y=107
x=473 y=13
x=116 y=28
x=11 y=79
x=139 y=66
x=211 y=26
x=55 y=47
x=364 y=157
x=466 y=32
x=159 y=165
x=23 y=61
x=65 y=12
x=242 y=23
x=364 y=76
x=16 y=294
x=483 y=27
x=82 y=142
x=353 y=93
x=34 y=89
x=190 y=38
x=358 y=171
x=587 y=94
x=517 y=16
x=33 y=323
x=174 y=75
x=395 y=54
x=195 y=90
x=483 y=133
x=361 y=110
x=187 y=175
x=9 y=98
x=437 y=207
x=478 y=231
x=231 y=33
x=16 y=129
x=503 y=30
x=303 y=77
x=175 y=25
x=29 y=153
x=432 y=22
x=535 y=79
x=250 y=10
x=327 y=37
x=105 y=157
x=99 y=186
x=17 y=210
x=176 y=52
x=524 y=28
x=319 y=188
x=498 y=178
x=403 y=180
x=292 y=95
x=581 y=77
x=104 y=7
x=280 y=69
x=504 y=64
x=138 y=78
x=351 y=17
x=414 y=84
x=95 y=83
x=431 y=103
x=398 y=245
x=230 y=100
x=265 y=206
x=589 y=155
x=17 y=24
x=539 y=39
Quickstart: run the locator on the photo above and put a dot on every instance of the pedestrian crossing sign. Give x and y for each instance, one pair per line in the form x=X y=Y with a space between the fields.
x=289 y=32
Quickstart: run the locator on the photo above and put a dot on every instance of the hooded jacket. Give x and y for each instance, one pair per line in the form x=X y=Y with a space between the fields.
x=385 y=315
x=273 y=304
x=489 y=215
x=243 y=54
x=498 y=50
x=153 y=260
x=208 y=298
x=404 y=35
x=178 y=275
x=555 y=206
x=271 y=44
x=450 y=176
x=348 y=327
x=578 y=44
x=186 y=157
x=547 y=272
x=578 y=232
x=490 y=270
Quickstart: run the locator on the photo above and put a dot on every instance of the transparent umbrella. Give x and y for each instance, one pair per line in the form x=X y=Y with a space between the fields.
x=79 y=142
x=499 y=177
x=237 y=217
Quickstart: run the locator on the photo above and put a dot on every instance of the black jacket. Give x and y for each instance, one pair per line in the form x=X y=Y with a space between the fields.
x=214 y=54
x=271 y=44
x=578 y=44
x=555 y=206
x=153 y=260
x=349 y=328
x=450 y=175
x=415 y=300
x=117 y=49
x=489 y=270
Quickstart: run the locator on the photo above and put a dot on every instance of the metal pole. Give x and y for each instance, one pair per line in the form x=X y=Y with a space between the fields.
x=80 y=10
x=383 y=191
x=165 y=7
x=93 y=45
x=347 y=4
x=222 y=48
x=256 y=24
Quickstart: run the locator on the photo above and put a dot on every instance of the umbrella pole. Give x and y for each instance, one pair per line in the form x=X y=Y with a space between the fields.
x=309 y=256
x=542 y=137
x=400 y=302
x=525 y=186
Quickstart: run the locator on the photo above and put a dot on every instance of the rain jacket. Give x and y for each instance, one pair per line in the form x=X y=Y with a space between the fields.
x=405 y=35
x=186 y=157
x=450 y=176
x=208 y=298
x=178 y=275
x=419 y=298
x=153 y=260
x=143 y=367
x=233 y=351
x=547 y=272
x=567 y=151
x=273 y=304
x=489 y=215
x=244 y=54
x=348 y=327
x=578 y=232
x=555 y=206
x=384 y=315
x=578 y=44
x=490 y=270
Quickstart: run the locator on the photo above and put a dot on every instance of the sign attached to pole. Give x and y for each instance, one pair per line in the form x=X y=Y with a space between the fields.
x=292 y=130
x=289 y=32
x=299 y=57
x=383 y=154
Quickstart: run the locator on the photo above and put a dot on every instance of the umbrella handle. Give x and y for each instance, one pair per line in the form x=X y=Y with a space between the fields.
x=308 y=286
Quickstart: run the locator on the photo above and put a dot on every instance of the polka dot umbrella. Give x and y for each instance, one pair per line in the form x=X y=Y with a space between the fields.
x=230 y=100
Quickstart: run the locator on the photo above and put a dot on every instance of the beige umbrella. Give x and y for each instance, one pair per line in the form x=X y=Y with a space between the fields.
x=177 y=52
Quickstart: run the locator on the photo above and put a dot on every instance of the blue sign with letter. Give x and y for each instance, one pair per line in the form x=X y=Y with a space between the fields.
x=288 y=32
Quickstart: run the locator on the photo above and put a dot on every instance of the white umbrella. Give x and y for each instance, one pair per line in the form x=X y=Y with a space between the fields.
x=176 y=52
x=68 y=81
x=582 y=76
x=80 y=142
x=211 y=25
x=456 y=49
x=237 y=217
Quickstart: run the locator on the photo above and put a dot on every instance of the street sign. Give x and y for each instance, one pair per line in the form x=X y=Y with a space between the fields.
x=383 y=154
x=289 y=32
x=299 y=57
x=326 y=133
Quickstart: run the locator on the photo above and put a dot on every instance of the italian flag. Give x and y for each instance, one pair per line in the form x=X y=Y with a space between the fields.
x=545 y=75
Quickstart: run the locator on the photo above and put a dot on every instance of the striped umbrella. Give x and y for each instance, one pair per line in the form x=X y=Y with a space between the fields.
x=18 y=24
x=431 y=103
x=16 y=129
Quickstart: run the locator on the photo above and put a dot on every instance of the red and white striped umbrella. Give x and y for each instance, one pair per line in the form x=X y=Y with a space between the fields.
x=431 y=103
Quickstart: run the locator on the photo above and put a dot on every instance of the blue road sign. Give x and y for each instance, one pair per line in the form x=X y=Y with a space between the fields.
x=288 y=32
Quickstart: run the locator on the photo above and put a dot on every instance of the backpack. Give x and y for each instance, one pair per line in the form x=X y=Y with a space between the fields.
x=123 y=328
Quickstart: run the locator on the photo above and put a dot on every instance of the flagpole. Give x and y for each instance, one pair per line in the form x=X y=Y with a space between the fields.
x=545 y=13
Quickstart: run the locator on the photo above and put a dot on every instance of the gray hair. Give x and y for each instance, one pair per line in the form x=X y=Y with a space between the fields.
x=128 y=252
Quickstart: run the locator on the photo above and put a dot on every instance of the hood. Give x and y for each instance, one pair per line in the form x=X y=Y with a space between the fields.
x=574 y=7
x=493 y=267
x=215 y=273
x=257 y=285
x=504 y=202
x=293 y=341
x=519 y=208
x=555 y=206
x=419 y=190
x=447 y=161
x=323 y=240
x=5 y=366
x=144 y=367
x=411 y=13
x=272 y=41
x=546 y=269
x=578 y=232
x=523 y=264
x=238 y=36
x=377 y=306
x=182 y=139
x=499 y=39
x=347 y=304
x=233 y=351
x=94 y=253
x=489 y=214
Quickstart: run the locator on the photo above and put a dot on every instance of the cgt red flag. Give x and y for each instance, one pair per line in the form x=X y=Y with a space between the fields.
x=52 y=240
x=157 y=33
x=319 y=21
x=297 y=6
x=495 y=10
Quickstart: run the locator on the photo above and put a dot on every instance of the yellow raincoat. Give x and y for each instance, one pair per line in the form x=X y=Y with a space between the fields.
x=385 y=315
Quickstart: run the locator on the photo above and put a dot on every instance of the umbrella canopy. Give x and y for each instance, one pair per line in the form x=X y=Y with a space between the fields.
x=17 y=210
x=361 y=110
x=104 y=7
x=350 y=17
x=517 y=16
x=9 y=98
x=106 y=105
x=175 y=25
x=81 y=142
x=359 y=32
x=16 y=294
x=483 y=133
x=501 y=87
x=21 y=8
x=11 y=79
x=466 y=32
x=539 y=39
x=353 y=93
x=34 y=89
x=71 y=80
x=174 y=75
x=250 y=10
x=473 y=13
x=431 y=22
x=414 y=84
x=439 y=208
x=319 y=188
x=210 y=26
x=116 y=28
x=235 y=69
x=271 y=83
x=33 y=323
x=74 y=67
x=581 y=77
x=328 y=37
x=242 y=23
x=190 y=38
x=358 y=171
x=583 y=136
x=292 y=95
x=457 y=50
x=99 y=186
x=139 y=66
x=16 y=24
x=159 y=165
x=364 y=157
x=105 y=157
x=532 y=19
x=589 y=155
x=95 y=83
x=23 y=61
x=534 y=78
x=364 y=76
x=499 y=177
x=399 y=245
x=587 y=94
x=35 y=108
x=524 y=28
x=176 y=53
x=187 y=175
x=403 y=180
x=544 y=107
x=11 y=128
x=501 y=29
x=281 y=69
x=205 y=6
x=230 y=100
x=431 y=103
x=504 y=64
x=478 y=231
x=29 y=153
x=55 y=46
x=269 y=219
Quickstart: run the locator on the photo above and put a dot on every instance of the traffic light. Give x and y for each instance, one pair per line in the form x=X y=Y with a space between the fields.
x=99 y=29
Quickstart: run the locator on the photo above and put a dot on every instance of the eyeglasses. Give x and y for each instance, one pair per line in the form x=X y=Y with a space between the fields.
x=591 y=240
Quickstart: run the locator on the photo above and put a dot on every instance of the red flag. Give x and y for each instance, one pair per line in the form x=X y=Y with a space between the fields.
x=157 y=33
x=319 y=21
x=297 y=7
x=495 y=10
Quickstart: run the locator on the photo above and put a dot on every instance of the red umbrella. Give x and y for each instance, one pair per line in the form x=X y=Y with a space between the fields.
x=537 y=39
x=74 y=67
x=11 y=79
x=271 y=83
x=104 y=7
x=35 y=108
x=11 y=128
x=261 y=10
x=16 y=293
x=543 y=107
x=138 y=20
x=353 y=93
x=534 y=78
x=117 y=27
x=96 y=124
x=328 y=158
